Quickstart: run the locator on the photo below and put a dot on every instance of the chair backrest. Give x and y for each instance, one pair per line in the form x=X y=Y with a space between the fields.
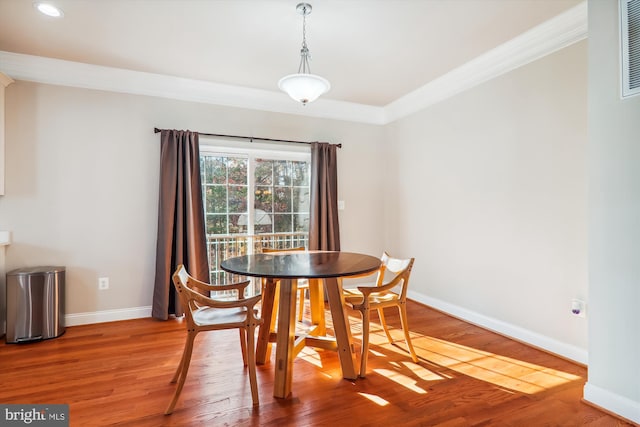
x=268 y=250
x=395 y=269
x=186 y=287
x=186 y=295
x=271 y=250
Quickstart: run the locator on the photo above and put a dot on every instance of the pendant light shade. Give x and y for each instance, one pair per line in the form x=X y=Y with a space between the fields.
x=303 y=86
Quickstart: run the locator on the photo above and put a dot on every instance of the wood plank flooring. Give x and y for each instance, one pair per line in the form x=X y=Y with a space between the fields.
x=118 y=374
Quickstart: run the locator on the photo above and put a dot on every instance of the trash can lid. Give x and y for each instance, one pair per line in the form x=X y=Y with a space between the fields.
x=35 y=270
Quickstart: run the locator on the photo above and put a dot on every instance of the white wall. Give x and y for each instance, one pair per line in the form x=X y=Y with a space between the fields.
x=489 y=194
x=614 y=224
x=82 y=182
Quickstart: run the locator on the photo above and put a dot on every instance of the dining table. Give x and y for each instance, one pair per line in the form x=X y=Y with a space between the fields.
x=284 y=269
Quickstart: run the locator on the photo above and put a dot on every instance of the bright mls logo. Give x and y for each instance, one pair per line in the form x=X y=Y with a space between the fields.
x=37 y=415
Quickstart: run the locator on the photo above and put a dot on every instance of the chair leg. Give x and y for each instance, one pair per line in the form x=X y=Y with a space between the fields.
x=181 y=364
x=365 y=343
x=251 y=362
x=176 y=375
x=405 y=329
x=243 y=345
x=300 y=304
x=274 y=316
x=183 y=369
x=383 y=322
x=268 y=314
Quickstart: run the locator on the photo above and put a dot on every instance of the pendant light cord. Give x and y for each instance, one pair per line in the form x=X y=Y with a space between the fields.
x=304 y=67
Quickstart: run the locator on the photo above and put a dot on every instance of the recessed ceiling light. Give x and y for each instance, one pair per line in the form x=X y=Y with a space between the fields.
x=49 y=9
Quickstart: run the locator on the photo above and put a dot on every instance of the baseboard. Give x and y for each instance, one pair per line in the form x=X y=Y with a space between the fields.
x=77 y=319
x=534 y=339
x=613 y=403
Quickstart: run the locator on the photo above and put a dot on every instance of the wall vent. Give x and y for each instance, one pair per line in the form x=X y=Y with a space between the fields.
x=630 y=40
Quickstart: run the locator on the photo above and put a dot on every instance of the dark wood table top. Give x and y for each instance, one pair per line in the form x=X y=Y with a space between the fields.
x=302 y=265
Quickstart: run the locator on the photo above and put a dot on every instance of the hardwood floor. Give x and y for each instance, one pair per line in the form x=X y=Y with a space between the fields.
x=118 y=374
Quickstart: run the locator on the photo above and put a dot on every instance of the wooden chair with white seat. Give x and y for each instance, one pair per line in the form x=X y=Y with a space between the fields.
x=207 y=314
x=387 y=292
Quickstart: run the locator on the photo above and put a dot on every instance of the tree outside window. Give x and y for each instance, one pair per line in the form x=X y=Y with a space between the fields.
x=279 y=188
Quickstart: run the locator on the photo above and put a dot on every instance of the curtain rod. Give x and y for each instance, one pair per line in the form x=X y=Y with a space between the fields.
x=250 y=138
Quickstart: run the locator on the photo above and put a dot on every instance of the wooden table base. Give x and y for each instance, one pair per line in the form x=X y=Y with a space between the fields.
x=283 y=294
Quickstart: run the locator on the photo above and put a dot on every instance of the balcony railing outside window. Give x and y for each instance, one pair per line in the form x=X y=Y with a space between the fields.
x=221 y=247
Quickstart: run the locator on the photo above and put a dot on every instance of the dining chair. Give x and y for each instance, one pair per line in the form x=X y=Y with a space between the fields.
x=203 y=313
x=390 y=290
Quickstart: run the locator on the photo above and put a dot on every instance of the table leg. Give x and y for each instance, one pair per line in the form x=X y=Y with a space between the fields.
x=316 y=303
x=268 y=304
x=342 y=329
x=285 y=338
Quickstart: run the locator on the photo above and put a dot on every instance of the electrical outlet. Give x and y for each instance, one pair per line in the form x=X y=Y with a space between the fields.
x=578 y=308
x=103 y=283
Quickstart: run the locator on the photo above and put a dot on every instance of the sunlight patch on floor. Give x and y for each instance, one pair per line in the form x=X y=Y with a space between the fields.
x=401 y=379
x=423 y=373
x=375 y=399
x=376 y=353
x=310 y=355
x=506 y=372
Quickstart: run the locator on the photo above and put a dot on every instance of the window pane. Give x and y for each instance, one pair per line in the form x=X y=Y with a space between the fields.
x=263 y=198
x=238 y=198
x=237 y=170
x=262 y=229
x=215 y=170
x=282 y=223
x=301 y=222
x=216 y=199
x=300 y=201
x=264 y=172
x=282 y=199
x=262 y=217
x=282 y=172
x=236 y=226
x=300 y=174
x=216 y=224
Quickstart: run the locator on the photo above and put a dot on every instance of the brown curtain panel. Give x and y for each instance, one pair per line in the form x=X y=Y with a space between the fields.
x=181 y=228
x=324 y=231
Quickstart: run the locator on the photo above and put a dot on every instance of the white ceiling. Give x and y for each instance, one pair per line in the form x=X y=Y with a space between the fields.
x=372 y=51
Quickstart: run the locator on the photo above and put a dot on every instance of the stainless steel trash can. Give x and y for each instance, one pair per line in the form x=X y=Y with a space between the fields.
x=35 y=304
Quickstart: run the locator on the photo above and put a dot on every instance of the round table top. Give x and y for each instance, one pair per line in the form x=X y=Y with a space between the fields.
x=302 y=265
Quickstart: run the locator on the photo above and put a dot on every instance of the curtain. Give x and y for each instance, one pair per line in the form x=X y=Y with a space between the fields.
x=181 y=227
x=324 y=231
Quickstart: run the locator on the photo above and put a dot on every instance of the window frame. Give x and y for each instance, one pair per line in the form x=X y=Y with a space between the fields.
x=252 y=151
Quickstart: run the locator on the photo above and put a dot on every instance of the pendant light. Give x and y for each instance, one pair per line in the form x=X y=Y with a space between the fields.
x=304 y=87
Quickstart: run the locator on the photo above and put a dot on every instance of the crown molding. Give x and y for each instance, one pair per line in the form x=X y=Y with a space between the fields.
x=74 y=74
x=557 y=33
x=5 y=80
x=548 y=37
